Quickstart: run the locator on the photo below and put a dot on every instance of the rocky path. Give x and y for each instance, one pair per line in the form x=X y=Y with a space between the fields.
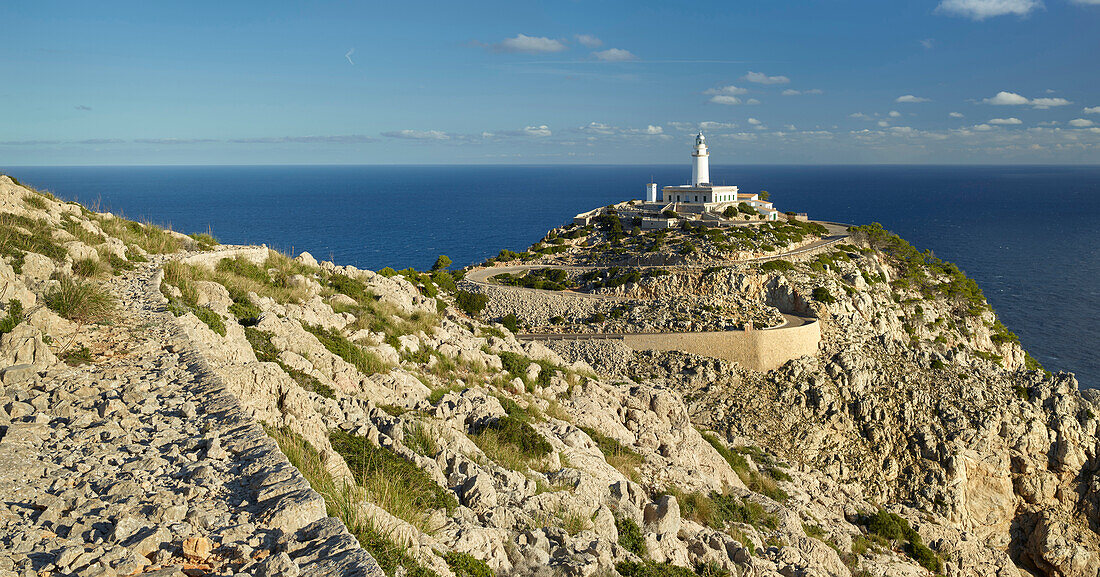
x=143 y=464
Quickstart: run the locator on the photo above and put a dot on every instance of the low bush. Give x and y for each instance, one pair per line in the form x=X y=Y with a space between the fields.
x=630 y=535
x=367 y=362
x=471 y=303
x=466 y=565
x=822 y=295
x=777 y=266
x=80 y=301
x=390 y=481
x=342 y=502
x=77 y=356
x=892 y=527
x=13 y=317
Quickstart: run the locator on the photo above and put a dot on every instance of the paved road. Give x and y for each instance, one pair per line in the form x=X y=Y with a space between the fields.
x=790 y=322
x=838 y=233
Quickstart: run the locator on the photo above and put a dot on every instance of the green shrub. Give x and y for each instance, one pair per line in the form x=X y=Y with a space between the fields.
x=77 y=356
x=441 y=263
x=471 y=303
x=243 y=267
x=204 y=240
x=510 y=322
x=367 y=362
x=466 y=565
x=630 y=535
x=246 y=312
x=211 y=319
x=822 y=294
x=88 y=267
x=516 y=431
x=80 y=301
x=35 y=201
x=13 y=317
x=777 y=266
x=370 y=465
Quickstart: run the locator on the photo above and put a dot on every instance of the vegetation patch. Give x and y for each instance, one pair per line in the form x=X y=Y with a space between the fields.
x=367 y=362
x=80 y=301
x=756 y=482
x=77 y=356
x=392 y=482
x=618 y=455
x=471 y=303
x=466 y=565
x=630 y=535
x=342 y=503
x=13 y=317
x=894 y=528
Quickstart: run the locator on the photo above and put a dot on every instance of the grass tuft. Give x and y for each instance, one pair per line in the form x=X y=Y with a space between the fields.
x=392 y=482
x=80 y=301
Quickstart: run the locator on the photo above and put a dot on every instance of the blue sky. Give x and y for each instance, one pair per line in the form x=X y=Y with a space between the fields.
x=926 y=81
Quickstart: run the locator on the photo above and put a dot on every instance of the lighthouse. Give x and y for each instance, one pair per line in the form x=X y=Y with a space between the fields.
x=700 y=162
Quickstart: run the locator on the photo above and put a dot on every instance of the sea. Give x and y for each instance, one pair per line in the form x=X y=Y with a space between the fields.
x=1029 y=235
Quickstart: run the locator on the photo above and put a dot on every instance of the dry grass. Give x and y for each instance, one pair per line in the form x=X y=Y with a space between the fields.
x=150 y=237
x=81 y=301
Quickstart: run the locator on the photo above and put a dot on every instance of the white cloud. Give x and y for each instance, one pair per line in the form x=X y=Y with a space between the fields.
x=752 y=101
x=731 y=89
x=529 y=44
x=1006 y=99
x=725 y=99
x=1092 y=110
x=594 y=129
x=588 y=40
x=761 y=78
x=418 y=134
x=540 y=130
x=859 y=115
x=710 y=125
x=790 y=127
x=928 y=43
x=754 y=122
x=910 y=99
x=1012 y=120
x=1044 y=103
x=793 y=92
x=883 y=123
x=983 y=128
x=598 y=128
x=1012 y=99
x=956 y=114
x=894 y=114
x=614 y=55
x=982 y=9
x=1081 y=123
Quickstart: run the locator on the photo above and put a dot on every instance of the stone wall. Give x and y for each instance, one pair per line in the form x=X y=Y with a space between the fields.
x=535 y=307
x=255 y=254
x=759 y=350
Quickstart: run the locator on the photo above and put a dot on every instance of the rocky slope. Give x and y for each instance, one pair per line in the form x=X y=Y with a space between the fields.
x=916 y=440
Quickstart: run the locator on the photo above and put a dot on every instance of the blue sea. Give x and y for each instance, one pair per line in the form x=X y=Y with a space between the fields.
x=1030 y=235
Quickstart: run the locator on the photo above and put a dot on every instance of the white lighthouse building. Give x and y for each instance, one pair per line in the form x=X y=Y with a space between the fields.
x=713 y=199
x=700 y=162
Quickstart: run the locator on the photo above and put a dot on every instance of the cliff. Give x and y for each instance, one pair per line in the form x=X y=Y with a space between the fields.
x=151 y=376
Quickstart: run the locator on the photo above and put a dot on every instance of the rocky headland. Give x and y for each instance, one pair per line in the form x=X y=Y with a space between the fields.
x=173 y=406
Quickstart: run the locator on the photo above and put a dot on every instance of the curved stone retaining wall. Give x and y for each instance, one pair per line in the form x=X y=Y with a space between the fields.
x=759 y=350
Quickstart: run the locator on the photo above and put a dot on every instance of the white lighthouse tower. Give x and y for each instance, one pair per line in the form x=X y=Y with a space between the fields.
x=700 y=162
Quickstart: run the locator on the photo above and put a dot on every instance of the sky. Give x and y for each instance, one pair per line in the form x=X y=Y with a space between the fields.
x=571 y=81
